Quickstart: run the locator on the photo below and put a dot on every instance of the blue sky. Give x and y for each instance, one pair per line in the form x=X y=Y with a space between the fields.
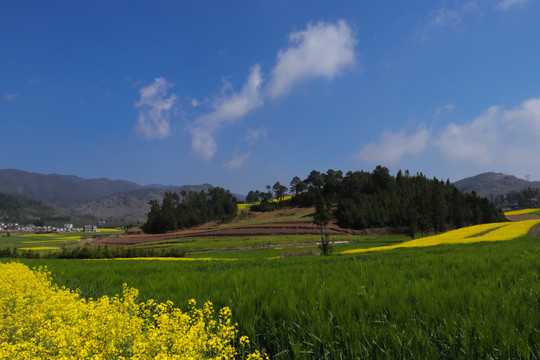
x=244 y=94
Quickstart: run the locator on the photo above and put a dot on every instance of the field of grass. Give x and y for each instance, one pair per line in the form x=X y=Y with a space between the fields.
x=462 y=294
x=475 y=300
x=48 y=242
x=268 y=246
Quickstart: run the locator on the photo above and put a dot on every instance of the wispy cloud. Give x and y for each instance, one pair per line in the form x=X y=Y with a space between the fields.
x=11 y=97
x=227 y=109
x=393 y=146
x=155 y=109
x=507 y=4
x=238 y=160
x=445 y=108
x=457 y=12
x=253 y=135
x=321 y=50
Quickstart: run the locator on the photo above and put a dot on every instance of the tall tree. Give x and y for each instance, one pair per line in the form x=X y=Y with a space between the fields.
x=321 y=217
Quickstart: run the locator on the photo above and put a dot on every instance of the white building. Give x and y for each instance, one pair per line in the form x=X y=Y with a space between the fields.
x=90 y=228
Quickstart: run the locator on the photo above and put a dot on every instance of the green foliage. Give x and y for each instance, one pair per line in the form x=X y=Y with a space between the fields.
x=377 y=199
x=321 y=217
x=446 y=302
x=526 y=199
x=16 y=208
x=190 y=210
x=264 y=206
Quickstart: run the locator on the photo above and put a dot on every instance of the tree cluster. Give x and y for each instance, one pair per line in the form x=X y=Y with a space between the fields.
x=17 y=208
x=187 y=209
x=526 y=199
x=378 y=199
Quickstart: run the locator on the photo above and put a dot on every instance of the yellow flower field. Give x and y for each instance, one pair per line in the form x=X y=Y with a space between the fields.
x=484 y=232
x=41 y=248
x=64 y=239
x=520 y=212
x=39 y=320
x=248 y=205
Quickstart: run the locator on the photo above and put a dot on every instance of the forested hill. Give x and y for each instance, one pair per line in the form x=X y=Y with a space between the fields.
x=17 y=208
x=377 y=199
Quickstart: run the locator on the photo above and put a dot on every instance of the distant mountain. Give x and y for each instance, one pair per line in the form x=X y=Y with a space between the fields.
x=130 y=206
x=18 y=208
x=491 y=184
x=81 y=199
x=60 y=190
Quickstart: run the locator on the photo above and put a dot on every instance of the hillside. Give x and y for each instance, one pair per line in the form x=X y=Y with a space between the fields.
x=61 y=191
x=130 y=206
x=82 y=199
x=491 y=184
x=18 y=208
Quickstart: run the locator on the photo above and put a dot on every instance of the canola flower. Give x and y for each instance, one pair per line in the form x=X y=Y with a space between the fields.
x=67 y=238
x=477 y=233
x=39 y=320
x=40 y=248
x=249 y=205
x=520 y=212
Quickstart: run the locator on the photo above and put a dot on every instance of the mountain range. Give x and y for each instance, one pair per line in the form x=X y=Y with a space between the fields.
x=117 y=201
x=121 y=201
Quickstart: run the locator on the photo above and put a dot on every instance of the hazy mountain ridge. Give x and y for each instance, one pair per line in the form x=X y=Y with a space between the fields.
x=61 y=191
x=492 y=184
x=76 y=197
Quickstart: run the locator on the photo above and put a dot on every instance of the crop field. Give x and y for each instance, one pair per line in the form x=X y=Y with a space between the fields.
x=268 y=246
x=477 y=233
x=471 y=297
x=50 y=241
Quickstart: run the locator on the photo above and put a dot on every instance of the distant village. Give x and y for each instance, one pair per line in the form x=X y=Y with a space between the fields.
x=11 y=226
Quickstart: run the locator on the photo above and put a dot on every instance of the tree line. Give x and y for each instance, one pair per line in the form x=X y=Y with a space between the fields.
x=377 y=199
x=187 y=209
x=525 y=199
x=357 y=200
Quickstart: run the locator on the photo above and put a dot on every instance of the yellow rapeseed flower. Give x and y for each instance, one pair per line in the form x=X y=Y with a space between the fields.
x=484 y=232
x=520 y=212
x=39 y=320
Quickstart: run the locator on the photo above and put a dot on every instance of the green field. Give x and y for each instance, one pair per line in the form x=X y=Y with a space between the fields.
x=51 y=241
x=267 y=246
x=452 y=301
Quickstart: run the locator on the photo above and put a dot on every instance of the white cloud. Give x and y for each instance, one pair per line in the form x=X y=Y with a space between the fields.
x=507 y=4
x=253 y=135
x=393 y=146
x=155 y=109
x=321 y=50
x=448 y=108
x=237 y=161
x=10 y=97
x=503 y=138
x=454 y=16
x=227 y=109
